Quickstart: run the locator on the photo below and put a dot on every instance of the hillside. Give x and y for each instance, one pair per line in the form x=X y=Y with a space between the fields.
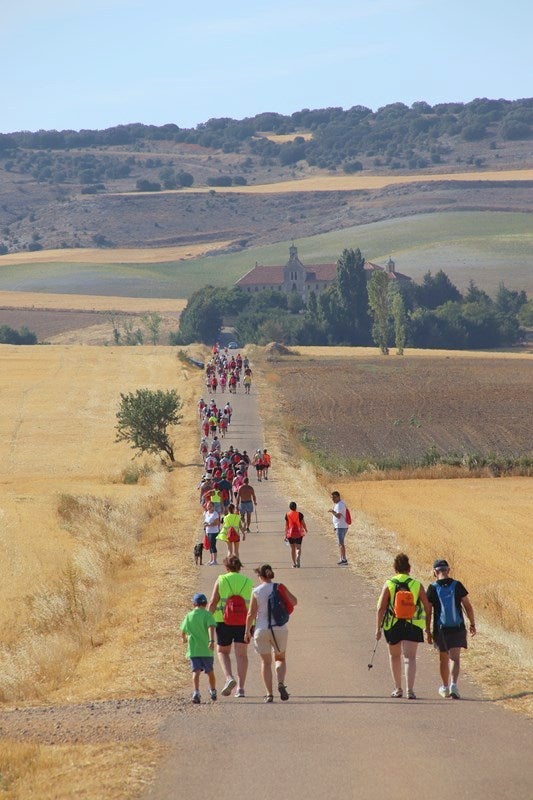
x=67 y=189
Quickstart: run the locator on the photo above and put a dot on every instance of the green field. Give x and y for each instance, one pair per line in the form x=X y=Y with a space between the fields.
x=487 y=247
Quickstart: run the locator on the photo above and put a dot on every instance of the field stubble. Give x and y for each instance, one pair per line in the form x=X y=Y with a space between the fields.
x=465 y=520
x=92 y=602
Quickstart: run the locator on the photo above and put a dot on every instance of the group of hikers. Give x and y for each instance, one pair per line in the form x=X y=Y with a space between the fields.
x=237 y=613
x=224 y=370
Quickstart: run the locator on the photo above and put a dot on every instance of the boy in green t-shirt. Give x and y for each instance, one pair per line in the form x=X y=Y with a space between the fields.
x=198 y=630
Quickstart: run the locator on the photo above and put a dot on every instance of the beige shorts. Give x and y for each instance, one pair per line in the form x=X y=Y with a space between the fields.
x=264 y=641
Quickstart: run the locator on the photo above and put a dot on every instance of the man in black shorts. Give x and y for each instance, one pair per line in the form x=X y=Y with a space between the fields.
x=448 y=598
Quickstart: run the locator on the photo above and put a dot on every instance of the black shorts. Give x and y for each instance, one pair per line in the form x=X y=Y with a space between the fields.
x=403 y=631
x=295 y=539
x=227 y=634
x=445 y=640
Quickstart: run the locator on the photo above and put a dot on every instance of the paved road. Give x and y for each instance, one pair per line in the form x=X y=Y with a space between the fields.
x=340 y=735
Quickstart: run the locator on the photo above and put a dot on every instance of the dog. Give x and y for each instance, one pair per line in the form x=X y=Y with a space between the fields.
x=198 y=551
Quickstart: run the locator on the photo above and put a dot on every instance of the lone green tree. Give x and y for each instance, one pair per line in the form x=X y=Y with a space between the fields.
x=153 y=323
x=353 y=297
x=144 y=417
x=400 y=321
x=378 y=300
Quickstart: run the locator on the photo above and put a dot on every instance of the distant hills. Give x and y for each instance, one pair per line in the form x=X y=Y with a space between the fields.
x=109 y=187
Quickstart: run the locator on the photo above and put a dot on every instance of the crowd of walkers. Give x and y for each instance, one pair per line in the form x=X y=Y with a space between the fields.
x=237 y=613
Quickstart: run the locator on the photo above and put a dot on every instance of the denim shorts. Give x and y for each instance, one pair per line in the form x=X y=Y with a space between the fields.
x=202 y=664
x=341 y=533
x=246 y=506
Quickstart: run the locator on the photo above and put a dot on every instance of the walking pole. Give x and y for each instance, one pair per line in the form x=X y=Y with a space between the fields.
x=373 y=654
x=256 y=522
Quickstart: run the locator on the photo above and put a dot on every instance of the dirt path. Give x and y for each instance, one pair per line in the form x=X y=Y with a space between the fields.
x=340 y=734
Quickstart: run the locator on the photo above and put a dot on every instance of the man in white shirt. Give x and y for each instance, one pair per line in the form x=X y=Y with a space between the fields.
x=340 y=525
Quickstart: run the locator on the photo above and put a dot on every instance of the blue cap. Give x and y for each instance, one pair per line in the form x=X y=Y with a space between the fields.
x=199 y=599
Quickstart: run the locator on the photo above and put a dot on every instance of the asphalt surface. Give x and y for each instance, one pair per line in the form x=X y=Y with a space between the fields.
x=340 y=734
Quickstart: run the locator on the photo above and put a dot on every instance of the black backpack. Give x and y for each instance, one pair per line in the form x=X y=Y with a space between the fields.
x=277 y=610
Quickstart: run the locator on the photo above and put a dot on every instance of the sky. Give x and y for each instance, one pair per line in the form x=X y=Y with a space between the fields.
x=73 y=64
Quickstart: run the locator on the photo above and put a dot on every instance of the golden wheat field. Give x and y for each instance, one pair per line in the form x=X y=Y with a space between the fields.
x=350 y=183
x=120 y=255
x=57 y=437
x=89 y=302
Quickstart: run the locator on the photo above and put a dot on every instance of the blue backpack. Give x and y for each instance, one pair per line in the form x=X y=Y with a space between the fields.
x=277 y=610
x=449 y=616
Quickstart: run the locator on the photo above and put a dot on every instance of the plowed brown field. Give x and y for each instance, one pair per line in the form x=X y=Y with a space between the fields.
x=373 y=406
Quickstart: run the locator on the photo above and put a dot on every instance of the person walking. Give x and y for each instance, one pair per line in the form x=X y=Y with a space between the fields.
x=231 y=529
x=340 y=524
x=403 y=613
x=295 y=530
x=212 y=529
x=229 y=605
x=266 y=463
x=198 y=631
x=257 y=462
x=448 y=598
x=246 y=503
x=269 y=638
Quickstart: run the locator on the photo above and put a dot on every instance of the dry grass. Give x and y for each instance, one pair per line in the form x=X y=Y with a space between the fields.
x=114 y=567
x=120 y=771
x=88 y=302
x=282 y=138
x=350 y=183
x=464 y=520
x=111 y=255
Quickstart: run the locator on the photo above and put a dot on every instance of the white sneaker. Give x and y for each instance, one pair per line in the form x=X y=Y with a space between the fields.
x=454 y=691
x=444 y=691
x=228 y=686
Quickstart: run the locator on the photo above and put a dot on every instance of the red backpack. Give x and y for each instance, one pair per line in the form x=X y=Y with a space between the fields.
x=235 y=610
x=348 y=517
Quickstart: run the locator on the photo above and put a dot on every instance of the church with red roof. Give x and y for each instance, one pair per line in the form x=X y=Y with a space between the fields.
x=295 y=277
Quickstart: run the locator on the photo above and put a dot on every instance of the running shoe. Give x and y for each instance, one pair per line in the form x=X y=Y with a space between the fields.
x=228 y=686
x=196 y=698
x=454 y=691
x=342 y=562
x=444 y=691
x=283 y=693
x=411 y=695
x=269 y=698
x=397 y=693
x=213 y=694
x=239 y=693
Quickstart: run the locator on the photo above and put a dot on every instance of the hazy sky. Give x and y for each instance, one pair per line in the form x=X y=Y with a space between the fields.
x=97 y=63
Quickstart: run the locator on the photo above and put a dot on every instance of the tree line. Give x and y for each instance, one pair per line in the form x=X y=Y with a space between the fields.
x=395 y=136
x=358 y=311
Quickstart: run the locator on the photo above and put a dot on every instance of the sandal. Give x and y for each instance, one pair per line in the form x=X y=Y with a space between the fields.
x=269 y=698
x=397 y=693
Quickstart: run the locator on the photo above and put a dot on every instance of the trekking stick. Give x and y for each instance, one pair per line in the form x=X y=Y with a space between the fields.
x=373 y=654
x=256 y=522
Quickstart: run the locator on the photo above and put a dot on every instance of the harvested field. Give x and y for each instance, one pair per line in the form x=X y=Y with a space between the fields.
x=350 y=183
x=66 y=326
x=111 y=255
x=89 y=302
x=367 y=405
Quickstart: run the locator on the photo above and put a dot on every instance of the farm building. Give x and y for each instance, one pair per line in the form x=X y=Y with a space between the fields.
x=295 y=277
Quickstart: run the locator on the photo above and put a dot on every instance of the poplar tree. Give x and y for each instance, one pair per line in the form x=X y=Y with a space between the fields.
x=378 y=299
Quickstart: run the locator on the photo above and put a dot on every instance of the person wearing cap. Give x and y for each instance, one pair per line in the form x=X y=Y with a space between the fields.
x=448 y=598
x=198 y=632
